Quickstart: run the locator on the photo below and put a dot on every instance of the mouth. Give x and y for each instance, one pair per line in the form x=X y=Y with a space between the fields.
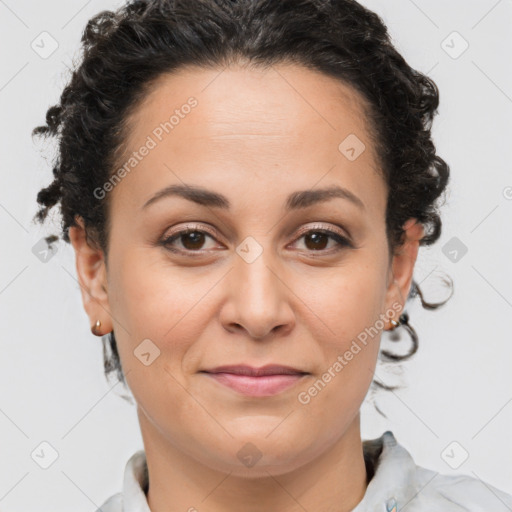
x=267 y=370
x=256 y=382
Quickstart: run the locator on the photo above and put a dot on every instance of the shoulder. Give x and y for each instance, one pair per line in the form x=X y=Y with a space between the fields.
x=112 y=504
x=459 y=492
x=399 y=482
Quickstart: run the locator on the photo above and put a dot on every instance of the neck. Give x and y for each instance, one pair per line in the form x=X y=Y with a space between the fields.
x=334 y=480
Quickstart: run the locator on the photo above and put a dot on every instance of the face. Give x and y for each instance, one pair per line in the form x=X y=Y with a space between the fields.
x=272 y=272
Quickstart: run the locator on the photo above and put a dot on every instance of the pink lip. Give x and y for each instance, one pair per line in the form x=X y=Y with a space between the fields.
x=267 y=385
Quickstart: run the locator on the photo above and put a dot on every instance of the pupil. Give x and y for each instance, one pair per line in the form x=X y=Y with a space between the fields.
x=195 y=238
x=317 y=240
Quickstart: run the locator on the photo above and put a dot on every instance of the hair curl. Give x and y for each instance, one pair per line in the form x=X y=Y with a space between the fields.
x=125 y=51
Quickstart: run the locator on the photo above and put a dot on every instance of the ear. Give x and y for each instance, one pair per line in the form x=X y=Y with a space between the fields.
x=92 y=277
x=402 y=265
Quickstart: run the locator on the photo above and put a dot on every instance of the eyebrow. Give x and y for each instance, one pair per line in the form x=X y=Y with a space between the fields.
x=295 y=201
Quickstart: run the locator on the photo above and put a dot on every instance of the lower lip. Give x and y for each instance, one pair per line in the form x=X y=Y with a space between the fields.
x=267 y=385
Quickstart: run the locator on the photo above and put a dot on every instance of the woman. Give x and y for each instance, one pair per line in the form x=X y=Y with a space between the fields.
x=246 y=185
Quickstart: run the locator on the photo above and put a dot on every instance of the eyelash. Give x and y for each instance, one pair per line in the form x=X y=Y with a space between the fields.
x=343 y=242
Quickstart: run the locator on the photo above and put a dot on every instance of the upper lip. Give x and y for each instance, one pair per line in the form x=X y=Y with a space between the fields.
x=269 y=369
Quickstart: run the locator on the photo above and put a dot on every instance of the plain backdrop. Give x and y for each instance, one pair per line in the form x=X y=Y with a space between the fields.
x=456 y=400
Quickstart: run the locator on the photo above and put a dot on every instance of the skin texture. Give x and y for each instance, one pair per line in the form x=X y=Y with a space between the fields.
x=255 y=136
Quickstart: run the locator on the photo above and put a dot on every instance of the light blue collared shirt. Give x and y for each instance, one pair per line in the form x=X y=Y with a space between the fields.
x=397 y=483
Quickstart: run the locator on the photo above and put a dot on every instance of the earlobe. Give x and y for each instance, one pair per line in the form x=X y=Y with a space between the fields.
x=92 y=277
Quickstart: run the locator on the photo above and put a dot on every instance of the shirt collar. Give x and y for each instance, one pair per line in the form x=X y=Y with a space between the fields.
x=392 y=485
x=135 y=484
x=390 y=488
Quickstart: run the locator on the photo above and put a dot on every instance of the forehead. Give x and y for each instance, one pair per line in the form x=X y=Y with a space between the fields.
x=285 y=122
x=266 y=101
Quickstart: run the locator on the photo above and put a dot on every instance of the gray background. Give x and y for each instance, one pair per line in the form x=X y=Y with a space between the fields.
x=459 y=385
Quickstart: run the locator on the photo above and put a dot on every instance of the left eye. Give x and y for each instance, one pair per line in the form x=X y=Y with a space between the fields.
x=316 y=239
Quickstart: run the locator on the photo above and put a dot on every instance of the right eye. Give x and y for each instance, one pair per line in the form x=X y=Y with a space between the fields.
x=191 y=239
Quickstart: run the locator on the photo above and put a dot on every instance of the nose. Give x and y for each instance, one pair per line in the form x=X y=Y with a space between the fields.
x=258 y=299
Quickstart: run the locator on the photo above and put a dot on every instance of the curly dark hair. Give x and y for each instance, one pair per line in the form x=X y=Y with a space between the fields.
x=124 y=52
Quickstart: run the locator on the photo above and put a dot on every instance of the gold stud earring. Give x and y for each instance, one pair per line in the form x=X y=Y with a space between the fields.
x=394 y=325
x=95 y=328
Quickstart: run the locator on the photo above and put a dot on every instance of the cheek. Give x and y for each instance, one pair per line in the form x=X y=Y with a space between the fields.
x=348 y=328
x=348 y=348
x=349 y=300
x=154 y=313
x=153 y=300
